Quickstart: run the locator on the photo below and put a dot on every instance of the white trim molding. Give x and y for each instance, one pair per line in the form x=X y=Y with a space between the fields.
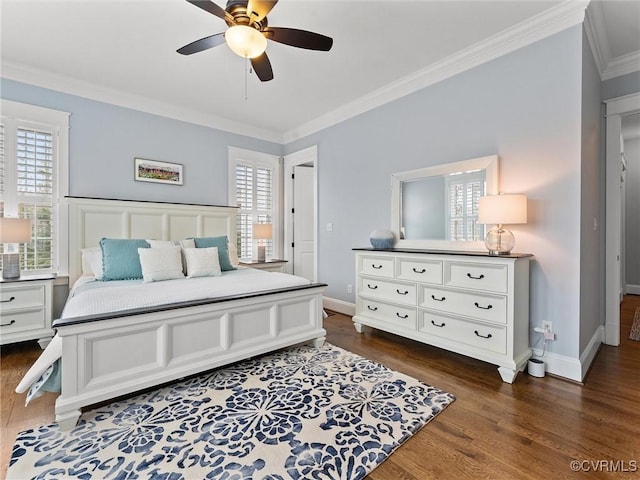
x=340 y=306
x=560 y=365
x=608 y=66
x=633 y=289
x=73 y=86
x=554 y=20
x=591 y=350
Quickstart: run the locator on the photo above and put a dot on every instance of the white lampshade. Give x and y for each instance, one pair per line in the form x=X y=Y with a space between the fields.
x=503 y=209
x=15 y=230
x=262 y=231
x=245 y=41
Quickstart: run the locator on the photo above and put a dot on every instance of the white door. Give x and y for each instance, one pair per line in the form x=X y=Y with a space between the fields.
x=303 y=222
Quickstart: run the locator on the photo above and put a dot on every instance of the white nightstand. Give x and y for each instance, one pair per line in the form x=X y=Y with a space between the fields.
x=273 y=265
x=26 y=309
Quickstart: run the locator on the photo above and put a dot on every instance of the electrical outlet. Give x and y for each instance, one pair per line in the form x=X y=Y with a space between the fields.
x=548 y=330
x=349 y=288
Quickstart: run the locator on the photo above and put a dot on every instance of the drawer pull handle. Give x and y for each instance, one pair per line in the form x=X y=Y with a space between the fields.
x=373 y=309
x=440 y=299
x=475 y=278
x=482 y=336
x=378 y=267
x=406 y=292
x=405 y=316
x=7 y=301
x=436 y=325
x=7 y=324
x=372 y=287
x=489 y=307
x=419 y=271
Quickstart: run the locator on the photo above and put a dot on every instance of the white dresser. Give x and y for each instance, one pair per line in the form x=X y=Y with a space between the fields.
x=467 y=302
x=26 y=309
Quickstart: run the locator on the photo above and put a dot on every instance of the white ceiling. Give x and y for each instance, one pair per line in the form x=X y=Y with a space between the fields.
x=124 y=52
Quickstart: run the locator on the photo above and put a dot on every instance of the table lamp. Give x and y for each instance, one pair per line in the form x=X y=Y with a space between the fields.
x=12 y=231
x=501 y=210
x=262 y=232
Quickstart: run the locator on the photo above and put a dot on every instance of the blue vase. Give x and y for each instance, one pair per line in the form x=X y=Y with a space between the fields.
x=381 y=239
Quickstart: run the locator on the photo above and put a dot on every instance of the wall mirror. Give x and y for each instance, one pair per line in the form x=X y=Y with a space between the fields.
x=436 y=207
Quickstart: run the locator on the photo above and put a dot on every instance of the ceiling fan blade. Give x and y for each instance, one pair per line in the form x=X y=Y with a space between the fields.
x=299 y=38
x=258 y=9
x=262 y=66
x=211 y=7
x=202 y=44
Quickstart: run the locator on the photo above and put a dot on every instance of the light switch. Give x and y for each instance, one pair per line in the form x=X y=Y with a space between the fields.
x=329 y=227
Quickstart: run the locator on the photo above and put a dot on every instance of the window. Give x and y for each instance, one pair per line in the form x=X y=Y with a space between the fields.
x=33 y=177
x=254 y=187
x=463 y=192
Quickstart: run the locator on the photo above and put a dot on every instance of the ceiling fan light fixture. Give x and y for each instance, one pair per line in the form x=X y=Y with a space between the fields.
x=245 y=41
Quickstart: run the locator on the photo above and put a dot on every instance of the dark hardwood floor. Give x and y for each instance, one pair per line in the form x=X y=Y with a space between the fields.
x=532 y=429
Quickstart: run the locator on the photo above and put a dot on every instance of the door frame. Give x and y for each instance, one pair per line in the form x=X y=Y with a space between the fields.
x=308 y=156
x=616 y=109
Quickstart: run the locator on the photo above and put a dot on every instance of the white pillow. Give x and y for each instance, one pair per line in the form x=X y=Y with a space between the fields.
x=162 y=263
x=160 y=243
x=92 y=262
x=202 y=262
x=187 y=243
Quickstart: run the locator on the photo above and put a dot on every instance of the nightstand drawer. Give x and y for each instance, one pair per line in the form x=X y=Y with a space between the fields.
x=17 y=297
x=22 y=320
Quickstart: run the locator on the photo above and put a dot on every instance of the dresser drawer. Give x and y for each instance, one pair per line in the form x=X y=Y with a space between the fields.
x=492 y=308
x=486 y=337
x=21 y=297
x=488 y=277
x=427 y=271
x=19 y=321
x=384 y=290
x=376 y=265
x=392 y=314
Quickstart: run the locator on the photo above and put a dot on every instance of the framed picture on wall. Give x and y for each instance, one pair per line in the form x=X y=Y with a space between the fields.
x=157 y=172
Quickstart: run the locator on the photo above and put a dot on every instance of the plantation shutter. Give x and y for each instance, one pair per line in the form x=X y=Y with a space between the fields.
x=27 y=187
x=463 y=196
x=254 y=195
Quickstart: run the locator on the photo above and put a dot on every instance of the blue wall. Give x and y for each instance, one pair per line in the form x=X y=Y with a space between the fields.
x=104 y=139
x=525 y=107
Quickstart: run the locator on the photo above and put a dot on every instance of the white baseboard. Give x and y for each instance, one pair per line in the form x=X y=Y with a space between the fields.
x=633 y=289
x=573 y=368
x=589 y=354
x=560 y=365
x=340 y=306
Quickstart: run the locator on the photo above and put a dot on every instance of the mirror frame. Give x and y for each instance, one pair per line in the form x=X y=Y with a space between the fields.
x=489 y=164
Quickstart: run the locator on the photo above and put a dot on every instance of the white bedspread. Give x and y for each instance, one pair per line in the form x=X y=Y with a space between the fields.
x=90 y=297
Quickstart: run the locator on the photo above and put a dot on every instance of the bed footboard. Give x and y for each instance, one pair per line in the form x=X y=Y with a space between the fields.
x=109 y=358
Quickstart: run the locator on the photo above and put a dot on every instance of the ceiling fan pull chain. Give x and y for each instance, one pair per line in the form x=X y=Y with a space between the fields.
x=246 y=76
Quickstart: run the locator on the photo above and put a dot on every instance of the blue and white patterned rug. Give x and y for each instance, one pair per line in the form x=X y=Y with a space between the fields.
x=301 y=413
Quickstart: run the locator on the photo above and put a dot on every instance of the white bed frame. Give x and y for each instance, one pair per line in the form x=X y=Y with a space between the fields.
x=110 y=357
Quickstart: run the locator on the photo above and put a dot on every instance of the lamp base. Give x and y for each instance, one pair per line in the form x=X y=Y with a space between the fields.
x=10 y=266
x=261 y=253
x=499 y=241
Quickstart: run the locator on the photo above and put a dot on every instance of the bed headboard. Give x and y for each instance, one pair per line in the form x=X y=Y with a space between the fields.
x=92 y=219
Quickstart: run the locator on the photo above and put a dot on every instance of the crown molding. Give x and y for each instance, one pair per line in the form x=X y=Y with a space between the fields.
x=72 y=86
x=596 y=31
x=623 y=65
x=543 y=25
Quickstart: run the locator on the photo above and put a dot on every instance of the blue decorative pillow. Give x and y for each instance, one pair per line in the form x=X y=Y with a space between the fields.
x=120 y=259
x=223 y=250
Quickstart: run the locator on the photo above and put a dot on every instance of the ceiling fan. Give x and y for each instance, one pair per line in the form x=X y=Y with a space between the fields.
x=248 y=33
